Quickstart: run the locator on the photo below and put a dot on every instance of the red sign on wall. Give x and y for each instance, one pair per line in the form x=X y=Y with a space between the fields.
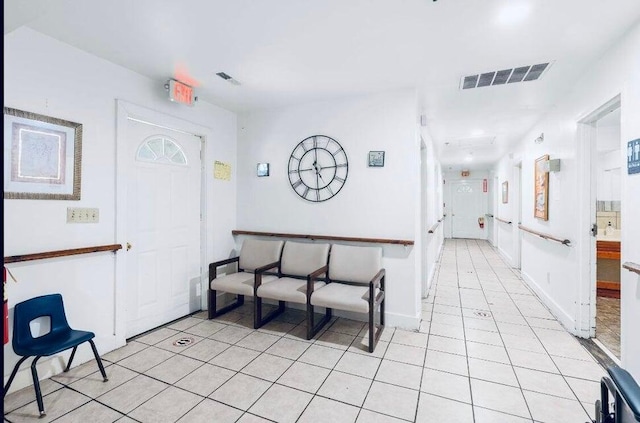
x=484 y=185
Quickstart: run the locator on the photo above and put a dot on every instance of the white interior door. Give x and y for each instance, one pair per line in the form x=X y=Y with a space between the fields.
x=468 y=204
x=163 y=225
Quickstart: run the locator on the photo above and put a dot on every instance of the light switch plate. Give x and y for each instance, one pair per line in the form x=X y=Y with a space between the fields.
x=82 y=215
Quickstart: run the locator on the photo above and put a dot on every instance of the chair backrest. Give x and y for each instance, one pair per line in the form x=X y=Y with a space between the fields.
x=354 y=264
x=26 y=311
x=255 y=253
x=301 y=258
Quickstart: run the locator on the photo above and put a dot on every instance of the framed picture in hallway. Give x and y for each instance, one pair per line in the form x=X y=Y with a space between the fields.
x=505 y=192
x=42 y=156
x=541 y=186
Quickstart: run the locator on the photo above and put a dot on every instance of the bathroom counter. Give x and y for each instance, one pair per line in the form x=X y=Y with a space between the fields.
x=608 y=265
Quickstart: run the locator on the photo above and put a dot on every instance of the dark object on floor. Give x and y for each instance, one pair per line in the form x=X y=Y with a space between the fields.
x=608 y=293
x=59 y=338
x=626 y=395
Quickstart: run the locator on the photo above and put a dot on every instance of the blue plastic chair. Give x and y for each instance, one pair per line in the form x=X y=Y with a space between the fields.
x=60 y=338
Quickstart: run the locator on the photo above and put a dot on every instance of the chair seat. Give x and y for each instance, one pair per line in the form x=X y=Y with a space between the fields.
x=240 y=283
x=53 y=343
x=287 y=289
x=343 y=297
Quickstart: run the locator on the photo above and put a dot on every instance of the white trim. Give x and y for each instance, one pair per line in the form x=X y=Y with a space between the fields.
x=561 y=315
x=128 y=111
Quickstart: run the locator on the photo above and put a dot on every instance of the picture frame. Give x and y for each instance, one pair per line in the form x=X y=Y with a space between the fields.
x=505 y=192
x=42 y=157
x=541 y=188
x=376 y=158
x=262 y=169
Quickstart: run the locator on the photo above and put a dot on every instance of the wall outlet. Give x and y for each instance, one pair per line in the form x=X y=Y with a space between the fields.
x=82 y=215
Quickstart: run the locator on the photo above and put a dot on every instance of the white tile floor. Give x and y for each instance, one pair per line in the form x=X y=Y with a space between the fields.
x=488 y=352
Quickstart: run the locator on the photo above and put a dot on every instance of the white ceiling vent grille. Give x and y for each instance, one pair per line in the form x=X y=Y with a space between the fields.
x=473 y=142
x=228 y=78
x=505 y=76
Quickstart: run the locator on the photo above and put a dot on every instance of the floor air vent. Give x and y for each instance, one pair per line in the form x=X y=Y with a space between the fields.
x=505 y=76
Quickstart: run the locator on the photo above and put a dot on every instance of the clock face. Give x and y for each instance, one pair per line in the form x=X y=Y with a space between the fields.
x=318 y=168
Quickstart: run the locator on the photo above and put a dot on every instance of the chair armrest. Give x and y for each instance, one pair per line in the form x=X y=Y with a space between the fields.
x=378 y=280
x=312 y=277
x=257 y=275
x=213 y=267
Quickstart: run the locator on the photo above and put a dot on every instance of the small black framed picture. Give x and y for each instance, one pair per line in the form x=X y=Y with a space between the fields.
x=376 y=158
x=263 y=169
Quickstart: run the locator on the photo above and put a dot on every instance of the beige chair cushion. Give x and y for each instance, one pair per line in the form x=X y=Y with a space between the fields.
x=342 y=297
x=256 y=253
x=354 y=264
x=240 y=283
x=287 y=289
x=300 y=259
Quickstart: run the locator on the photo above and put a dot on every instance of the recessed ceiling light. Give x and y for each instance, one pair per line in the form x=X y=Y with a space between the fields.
x=514 y=12
x=468 y=158
x=477 y=132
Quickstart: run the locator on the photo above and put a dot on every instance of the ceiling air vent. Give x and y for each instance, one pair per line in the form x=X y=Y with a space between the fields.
x=228 y=78
x=505 y=76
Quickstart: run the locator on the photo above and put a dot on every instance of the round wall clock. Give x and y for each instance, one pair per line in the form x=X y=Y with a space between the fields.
x=318 y=168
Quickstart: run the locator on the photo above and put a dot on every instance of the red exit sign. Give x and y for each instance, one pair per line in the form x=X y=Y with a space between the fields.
x=181 y=93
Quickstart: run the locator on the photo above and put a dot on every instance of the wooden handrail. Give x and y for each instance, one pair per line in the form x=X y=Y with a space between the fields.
x=326 y=237
x=508 y=222
x=632 y=267
x=62 y=253
x=545 y=236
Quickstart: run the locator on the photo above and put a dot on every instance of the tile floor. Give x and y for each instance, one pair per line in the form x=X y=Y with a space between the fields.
x=608 y=323
x=487 y=351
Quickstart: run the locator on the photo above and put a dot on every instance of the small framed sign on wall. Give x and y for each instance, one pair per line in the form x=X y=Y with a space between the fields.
x=505 y=192
x=376 y=158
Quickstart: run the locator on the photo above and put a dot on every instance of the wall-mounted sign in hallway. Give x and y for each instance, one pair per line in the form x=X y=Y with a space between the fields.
x=633 y=156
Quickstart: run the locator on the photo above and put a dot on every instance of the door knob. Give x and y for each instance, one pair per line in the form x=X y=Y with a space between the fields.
x=128 y=246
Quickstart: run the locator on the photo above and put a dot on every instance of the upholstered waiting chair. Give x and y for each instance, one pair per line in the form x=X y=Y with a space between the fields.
x=301 y=262
x=356 y=283
x=60 y=338
x=254 y=255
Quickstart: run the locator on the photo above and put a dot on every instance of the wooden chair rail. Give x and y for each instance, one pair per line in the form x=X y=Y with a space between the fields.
x=545 y=236
x=326 y=237
x=632 y=267
x=508 y=222
x=62 y=253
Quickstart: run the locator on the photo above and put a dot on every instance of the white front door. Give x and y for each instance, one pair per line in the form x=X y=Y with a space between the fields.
x=163 y=225
x=468 y=204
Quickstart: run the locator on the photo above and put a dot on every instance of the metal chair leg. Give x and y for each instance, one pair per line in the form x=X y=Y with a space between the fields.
x=73 y=354
x=95 y=353
x=36 y=386
x=13 y=375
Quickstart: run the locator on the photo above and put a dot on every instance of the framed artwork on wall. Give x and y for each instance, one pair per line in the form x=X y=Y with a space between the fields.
x=541 y=187
x=42 y=157
x=376 y=158
x=505 y=192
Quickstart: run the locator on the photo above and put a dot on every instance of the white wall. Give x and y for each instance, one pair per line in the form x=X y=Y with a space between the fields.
x=550 y=268
x=431 y=180
x=45 y=76
x=374 y=202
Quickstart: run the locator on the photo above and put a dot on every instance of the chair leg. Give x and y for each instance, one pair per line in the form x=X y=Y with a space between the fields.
x=258 y=320
x=36 y=386
x=73 y=354
x=13 y=375
x=95 y=353
x=312 y=328
x=213 y=312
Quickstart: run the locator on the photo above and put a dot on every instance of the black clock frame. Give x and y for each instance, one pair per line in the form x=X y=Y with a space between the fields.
x=340 y=168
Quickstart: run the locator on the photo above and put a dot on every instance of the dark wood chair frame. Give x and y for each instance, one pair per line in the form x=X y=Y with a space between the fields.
x=212 y=293
x=375 y=330
x=313 y=329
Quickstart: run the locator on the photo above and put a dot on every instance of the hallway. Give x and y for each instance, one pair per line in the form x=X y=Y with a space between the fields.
x=487 y=352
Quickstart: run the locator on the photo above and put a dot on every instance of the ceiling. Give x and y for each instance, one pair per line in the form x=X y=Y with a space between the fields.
x=285 y=52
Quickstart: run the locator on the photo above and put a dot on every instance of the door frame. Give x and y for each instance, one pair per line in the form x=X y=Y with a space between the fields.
x=585 y=319
x=516 y=261
x=126 y=111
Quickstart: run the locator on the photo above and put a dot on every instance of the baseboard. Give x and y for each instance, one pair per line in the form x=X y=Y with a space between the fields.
x=565 y=319
x=402 y=321
x=504 y=255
